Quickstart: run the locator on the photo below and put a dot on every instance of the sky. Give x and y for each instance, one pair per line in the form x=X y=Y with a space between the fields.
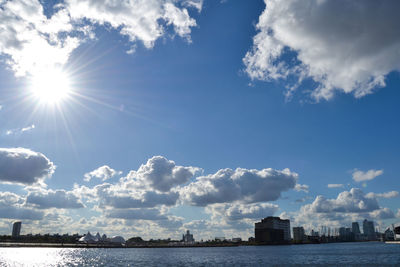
x=147 y=118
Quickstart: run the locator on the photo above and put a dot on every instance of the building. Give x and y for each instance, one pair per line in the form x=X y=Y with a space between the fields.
x=16 y=229
x=272 y=230
x=188 y=237
x=369 y=230
x=355 y=228
x=298 y=234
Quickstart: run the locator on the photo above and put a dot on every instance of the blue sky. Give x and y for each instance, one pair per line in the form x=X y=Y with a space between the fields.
x=200 y=115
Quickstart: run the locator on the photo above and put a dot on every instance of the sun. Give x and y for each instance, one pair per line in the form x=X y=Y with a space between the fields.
x=51 y=86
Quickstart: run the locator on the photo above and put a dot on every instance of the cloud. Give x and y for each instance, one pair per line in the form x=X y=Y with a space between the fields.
x=360 y=176
x=243 y=185
x=24 y=166
x=382 y=214
x=11 y=207
x=349 y=206
x=20 y=130
x=347 y=201
x=103 y=173
x=33 y=41
x=61 y=199
x=335 y=185
x=346 y=46
x=234 y=212
x=136 y=214
x=301 y=187
x=391 y=194
x=161 y=174
x=112 y=196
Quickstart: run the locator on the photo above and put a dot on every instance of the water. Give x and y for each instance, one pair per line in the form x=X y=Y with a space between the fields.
x=339 y=254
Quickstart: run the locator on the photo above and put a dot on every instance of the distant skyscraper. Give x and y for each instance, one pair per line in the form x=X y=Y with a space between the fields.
x=369 y=229
x=298 y=234
x=355 y=228
x=16 y=229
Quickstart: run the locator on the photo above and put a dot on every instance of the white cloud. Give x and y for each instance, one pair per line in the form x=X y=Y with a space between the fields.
x=142 y=20
x=301 y=187
x=391 y=194
x=20 y=130
x=24 y=166
x=234 y=212
x=46 y=199
x=246 y=186
x=33 y=42
x=360 y=176
x=161 y=174
x=103 y=173
x=349 y=206
x=347 y=46
x=136 y=214
x=335 y=185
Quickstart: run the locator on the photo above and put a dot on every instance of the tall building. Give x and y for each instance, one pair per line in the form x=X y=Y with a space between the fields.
x=272 y=229
x=16 y=229
x=355 y=228
x=369 y=230
x=188 y=237
x=298 y=234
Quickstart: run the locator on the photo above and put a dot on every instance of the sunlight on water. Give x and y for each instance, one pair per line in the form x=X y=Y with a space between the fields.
x=38 y=256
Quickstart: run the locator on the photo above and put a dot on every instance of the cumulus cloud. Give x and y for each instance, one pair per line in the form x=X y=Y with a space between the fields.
x=243 y=185
x=34 y=41
x=103 y=173
x=234 y=212
x=136 y=214
x=24 y=166
x=382 y=214
x=360 y=176
x=11 y=207
x=161 y=174
x=349 y=206
x=61 y=199
x=391 y=194
x=113 y=196
x=347 y=46
x=335 y=185
x=347 y=201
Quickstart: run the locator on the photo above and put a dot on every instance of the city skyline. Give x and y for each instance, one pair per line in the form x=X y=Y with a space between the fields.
x=148 y=118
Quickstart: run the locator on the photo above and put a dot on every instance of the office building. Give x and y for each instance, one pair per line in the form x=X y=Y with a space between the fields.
x=369 y=230
x=298 y=234
x=355 y=228
x=16 y=231
x=272 y=230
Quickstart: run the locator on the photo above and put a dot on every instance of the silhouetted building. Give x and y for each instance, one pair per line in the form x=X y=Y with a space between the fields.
x=188 y=237
x=369 y=230
x=16 y=231
x=272 y=230
x=298 y=234
x=355 y=228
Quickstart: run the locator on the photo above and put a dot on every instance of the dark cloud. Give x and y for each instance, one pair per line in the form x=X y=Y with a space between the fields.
x=60 y=199
x=24 y=166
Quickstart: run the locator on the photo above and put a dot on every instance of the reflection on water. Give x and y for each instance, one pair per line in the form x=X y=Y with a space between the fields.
x=339 y=254
x=39 y=256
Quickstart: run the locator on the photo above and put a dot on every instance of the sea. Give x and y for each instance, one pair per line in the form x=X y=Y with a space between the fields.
x=333 y=254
